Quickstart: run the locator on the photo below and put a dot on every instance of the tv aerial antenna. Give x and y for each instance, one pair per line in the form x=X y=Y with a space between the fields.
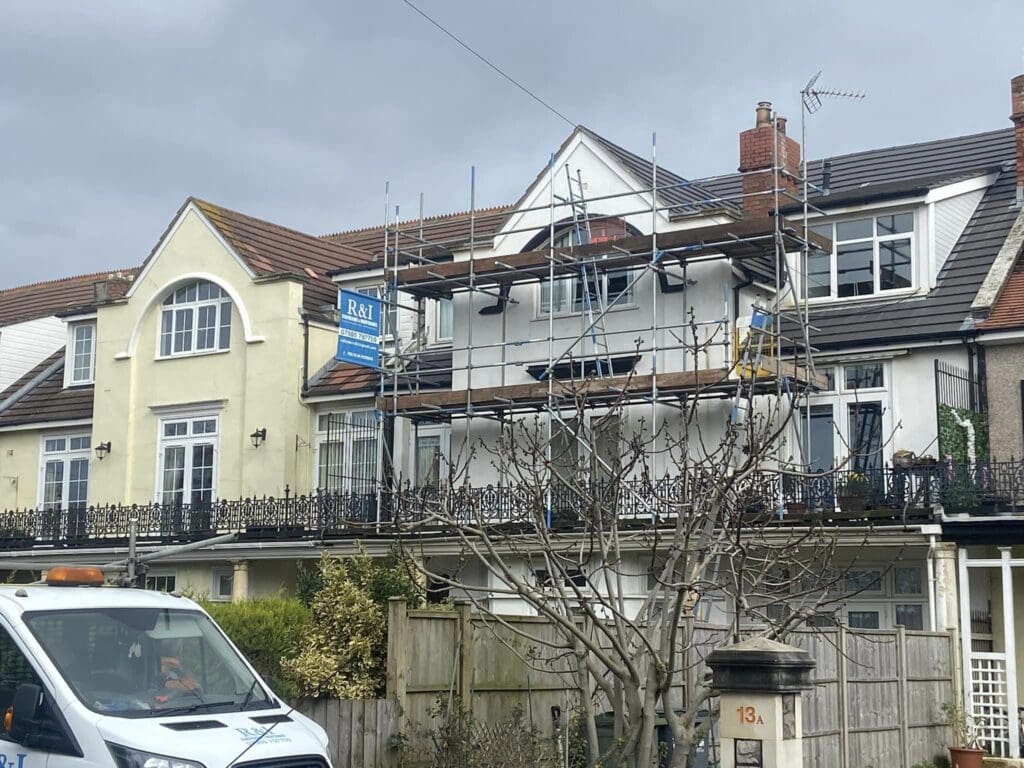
x=812 y=94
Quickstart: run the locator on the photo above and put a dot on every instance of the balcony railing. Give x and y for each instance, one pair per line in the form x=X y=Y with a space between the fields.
x=889 y=494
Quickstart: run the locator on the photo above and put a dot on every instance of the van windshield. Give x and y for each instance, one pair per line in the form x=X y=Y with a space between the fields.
x=147 y=662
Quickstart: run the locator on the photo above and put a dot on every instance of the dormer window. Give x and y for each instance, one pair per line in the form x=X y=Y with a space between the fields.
x=870 y=255
x=80 y=365
x=195 y=319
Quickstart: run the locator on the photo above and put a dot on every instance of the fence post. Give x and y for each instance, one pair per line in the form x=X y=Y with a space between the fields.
x=398 y=649
x=464 y=642
x=902 y=686
x=843 y=697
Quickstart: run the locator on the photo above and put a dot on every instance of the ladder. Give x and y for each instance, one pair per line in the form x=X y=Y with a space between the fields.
x=590 y=278
x=750 y=358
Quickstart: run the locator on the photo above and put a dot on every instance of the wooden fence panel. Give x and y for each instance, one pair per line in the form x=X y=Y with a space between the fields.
x=361 y=733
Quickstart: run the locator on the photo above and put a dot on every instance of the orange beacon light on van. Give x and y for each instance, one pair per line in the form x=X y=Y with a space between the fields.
x=72 y=576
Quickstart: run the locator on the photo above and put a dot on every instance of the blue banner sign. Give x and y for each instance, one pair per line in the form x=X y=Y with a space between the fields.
x=358 y=329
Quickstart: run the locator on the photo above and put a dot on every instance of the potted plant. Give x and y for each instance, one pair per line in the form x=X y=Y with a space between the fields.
x=852 y=492
x=967 y=732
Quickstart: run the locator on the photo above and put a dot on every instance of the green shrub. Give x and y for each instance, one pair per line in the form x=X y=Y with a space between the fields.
x=266 y=630
x=343 y=650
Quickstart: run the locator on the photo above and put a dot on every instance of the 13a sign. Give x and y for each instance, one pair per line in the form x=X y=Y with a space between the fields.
x=358 y=329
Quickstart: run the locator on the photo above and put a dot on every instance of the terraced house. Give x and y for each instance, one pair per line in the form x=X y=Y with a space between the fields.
x=202 y=392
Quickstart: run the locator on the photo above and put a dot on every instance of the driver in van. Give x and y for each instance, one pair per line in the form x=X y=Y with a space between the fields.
x=174 y=675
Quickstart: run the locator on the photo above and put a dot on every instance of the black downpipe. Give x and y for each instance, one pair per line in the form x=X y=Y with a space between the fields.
x=305 y=351
x=745 y=283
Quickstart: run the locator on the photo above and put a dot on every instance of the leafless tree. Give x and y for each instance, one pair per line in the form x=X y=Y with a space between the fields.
x=697 y=498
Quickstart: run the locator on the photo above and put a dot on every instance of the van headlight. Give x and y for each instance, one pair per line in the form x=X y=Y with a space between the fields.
x=126 y=757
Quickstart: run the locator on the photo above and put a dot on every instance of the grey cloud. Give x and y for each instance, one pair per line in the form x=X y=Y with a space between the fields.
x=113 y=112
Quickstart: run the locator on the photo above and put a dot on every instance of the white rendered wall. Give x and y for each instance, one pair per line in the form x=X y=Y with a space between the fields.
x=24 y=345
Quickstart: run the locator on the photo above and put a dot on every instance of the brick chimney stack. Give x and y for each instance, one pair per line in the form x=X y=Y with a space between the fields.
x=757 y=148
x=1017 y=105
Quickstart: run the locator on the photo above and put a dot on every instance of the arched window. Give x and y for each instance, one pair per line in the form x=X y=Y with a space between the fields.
x=195 y=318
x=570 y=294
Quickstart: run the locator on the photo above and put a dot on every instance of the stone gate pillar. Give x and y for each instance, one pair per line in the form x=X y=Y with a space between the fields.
x=759 y=682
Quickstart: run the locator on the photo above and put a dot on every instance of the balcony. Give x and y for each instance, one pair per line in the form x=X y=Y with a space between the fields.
x=879 y=496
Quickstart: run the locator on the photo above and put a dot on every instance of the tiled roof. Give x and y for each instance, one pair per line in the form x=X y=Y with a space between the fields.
x=270 y=249
x=432 y=368
x=442 y=234
x=686 y=197
x=40 y=397
x=946 y=310
x=1008 y=311
x=53 y=297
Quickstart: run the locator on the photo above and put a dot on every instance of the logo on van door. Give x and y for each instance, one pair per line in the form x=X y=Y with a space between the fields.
x=248 y=735
x=18 y=762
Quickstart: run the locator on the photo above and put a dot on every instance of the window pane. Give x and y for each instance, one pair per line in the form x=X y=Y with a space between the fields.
x=428 y=460
x=819 y=274
x=331 y=465
x=364 y=465
x=864 y=376
x=78 y=444
x=166 y=331
x=894 y=265
x=225 y=582
x=618 y=285
x=863 y=581
x=206 y=327
x=175 y=428
x=173 y=488
x=908 y=581
x=910 y=616
x=183 y=330
x=821 y=438
x=892 y=225
x=224 y=342
x=203 y=292
x=854 y=230
x=853 y=270
x=53 y=484
x=82 y=361
x=863 y=619
x=78 y=483
x=16 y=670
x=54 y=444
x=865 y=438
x=202 y=474
x=445 y=318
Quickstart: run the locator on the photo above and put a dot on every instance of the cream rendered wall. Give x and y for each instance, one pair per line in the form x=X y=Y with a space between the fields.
x=19 y=464
x=25 y=345
x=257 y=379
x=912 y=393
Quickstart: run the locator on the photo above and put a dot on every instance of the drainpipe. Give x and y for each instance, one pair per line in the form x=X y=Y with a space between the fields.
x=930 y=564
x=305 y=351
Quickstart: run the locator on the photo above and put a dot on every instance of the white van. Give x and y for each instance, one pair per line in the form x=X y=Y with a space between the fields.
x=124 y=678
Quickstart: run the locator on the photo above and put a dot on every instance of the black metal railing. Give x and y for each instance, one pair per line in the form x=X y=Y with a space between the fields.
x=890 y=493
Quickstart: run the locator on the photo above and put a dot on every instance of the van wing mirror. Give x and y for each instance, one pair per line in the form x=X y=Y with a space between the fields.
x=20 y=722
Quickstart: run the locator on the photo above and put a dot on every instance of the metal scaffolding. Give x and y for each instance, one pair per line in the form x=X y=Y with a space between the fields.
x=430 y=259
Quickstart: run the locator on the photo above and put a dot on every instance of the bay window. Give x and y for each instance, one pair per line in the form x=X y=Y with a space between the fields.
x=870 y=255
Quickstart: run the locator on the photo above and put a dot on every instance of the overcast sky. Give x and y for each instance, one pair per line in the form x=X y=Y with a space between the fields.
x=111 y=113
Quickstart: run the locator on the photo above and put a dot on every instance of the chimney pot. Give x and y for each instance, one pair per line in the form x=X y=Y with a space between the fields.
x=764 y=114
x=780 y=125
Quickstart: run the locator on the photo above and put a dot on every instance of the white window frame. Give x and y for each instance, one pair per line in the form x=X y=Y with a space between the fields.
x=444 y=435
x=566 y=285
x=162 y=573
x=875 y=239
x=188 y=440
x=220 y=304
x=320 y=439
x=215 y=573
x=71 y=379
x=840 y=398
x=435 y=334
x=65 y=455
